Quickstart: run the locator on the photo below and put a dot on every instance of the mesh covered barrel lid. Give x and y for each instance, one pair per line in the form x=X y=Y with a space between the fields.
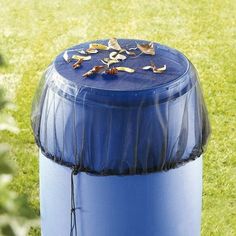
x=143 y=113
x=140 y=86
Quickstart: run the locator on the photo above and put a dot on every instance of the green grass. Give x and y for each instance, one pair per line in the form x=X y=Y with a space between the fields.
x=34 y=32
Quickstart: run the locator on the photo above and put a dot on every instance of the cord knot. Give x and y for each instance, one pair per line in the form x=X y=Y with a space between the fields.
x=75 y=169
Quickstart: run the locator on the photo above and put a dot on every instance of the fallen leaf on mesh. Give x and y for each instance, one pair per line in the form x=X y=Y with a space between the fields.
x=147 y=48
x=77 y=57
x=112 y=55
x=132 y=48
x=113 y=44
x=126 y=69
x=112 y=71
x=98 y=46
x=154 y=68
x=66 y=57
x=117 y=56
x=78 y=63
x=108 y=61
x=81 y=52
x=160 y=69
x=120 y=57
x=112 y=61
x=126 y=51
x=147 y=67
x=130 y=53
x=92 y=50
x=95 y=70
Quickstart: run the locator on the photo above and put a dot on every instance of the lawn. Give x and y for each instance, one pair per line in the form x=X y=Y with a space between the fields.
x=32 y=33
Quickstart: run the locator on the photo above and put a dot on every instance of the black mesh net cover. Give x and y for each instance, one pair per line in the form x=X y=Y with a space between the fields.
x=127 y=123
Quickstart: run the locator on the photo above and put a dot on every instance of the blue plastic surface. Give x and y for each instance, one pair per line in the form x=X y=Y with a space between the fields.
x=177 y=65
x=163 y=203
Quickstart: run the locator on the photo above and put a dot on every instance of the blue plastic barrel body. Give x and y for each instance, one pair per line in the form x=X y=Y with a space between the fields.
x=136 y=140
x=162 y=203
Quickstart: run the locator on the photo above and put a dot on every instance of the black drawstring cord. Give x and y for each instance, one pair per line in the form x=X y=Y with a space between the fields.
x=73 y=223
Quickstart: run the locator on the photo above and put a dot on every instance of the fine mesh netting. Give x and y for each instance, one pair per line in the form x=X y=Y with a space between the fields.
x=128 y=124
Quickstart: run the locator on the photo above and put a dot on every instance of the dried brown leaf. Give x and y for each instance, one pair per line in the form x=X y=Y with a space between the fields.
x=160 y=69
x=112 y=71
x=147 y=48
x=95 y=70
x=113 y=44
x=77 y=64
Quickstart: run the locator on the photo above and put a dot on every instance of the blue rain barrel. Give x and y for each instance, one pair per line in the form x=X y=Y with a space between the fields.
x=120 y=154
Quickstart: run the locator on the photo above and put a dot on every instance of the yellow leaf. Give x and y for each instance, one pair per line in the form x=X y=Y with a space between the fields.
x=92 y=50
x=106 y=59
x=78 y=57
x=126 y=69
x=98 y=46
